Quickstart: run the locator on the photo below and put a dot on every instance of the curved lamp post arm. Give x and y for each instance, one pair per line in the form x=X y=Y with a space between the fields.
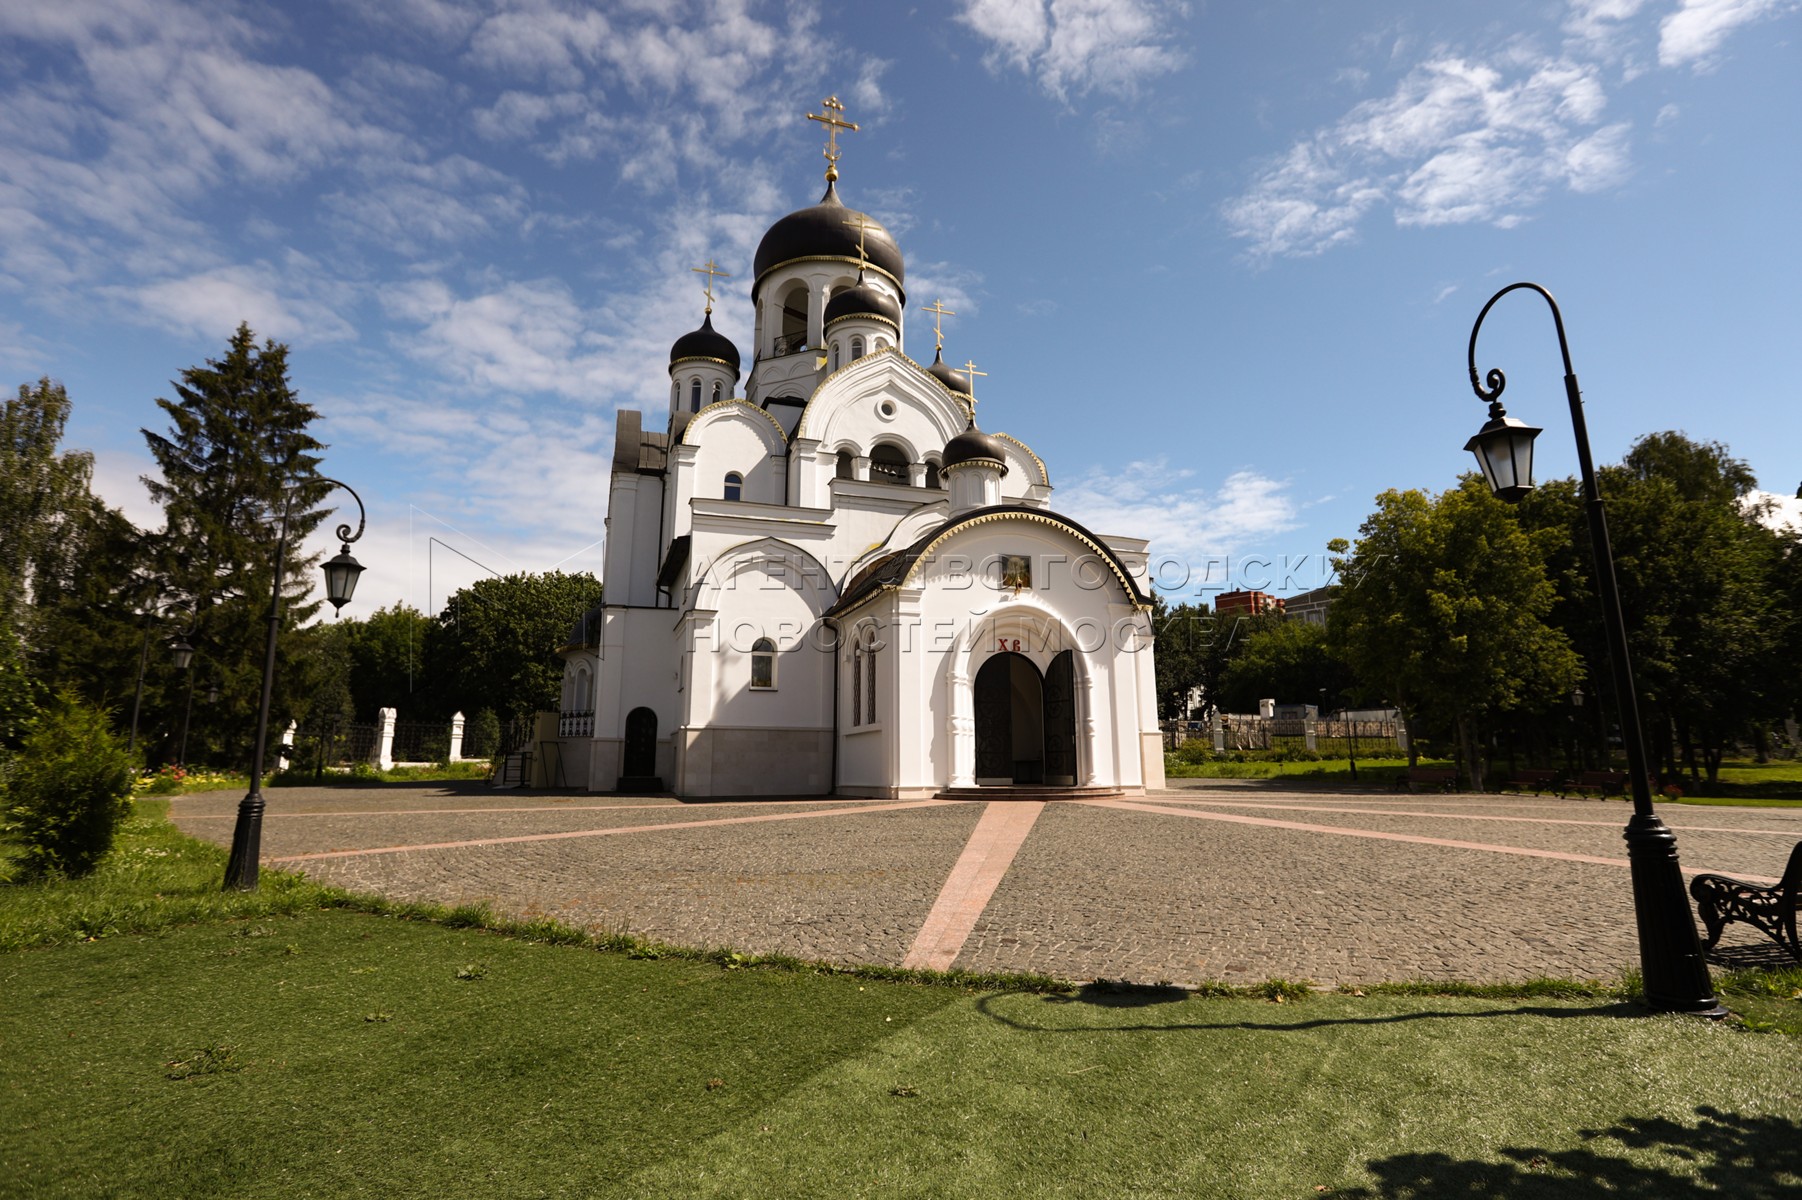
x=343 y=533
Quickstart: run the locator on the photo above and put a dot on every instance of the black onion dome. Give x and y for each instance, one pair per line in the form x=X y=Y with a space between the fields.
x=705 y=342
x=862 y=300
x=942 y=372
x=821 y=232
x=973 y=444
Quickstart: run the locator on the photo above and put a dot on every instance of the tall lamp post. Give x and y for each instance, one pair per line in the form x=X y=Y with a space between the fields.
x=1670 y=954
x=340 y=582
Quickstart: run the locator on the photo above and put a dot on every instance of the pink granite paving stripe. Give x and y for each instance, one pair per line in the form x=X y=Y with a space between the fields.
x=553 y=808
x=1384 y=836
x=973 y=879
x=1445 y=816
x=584 y=833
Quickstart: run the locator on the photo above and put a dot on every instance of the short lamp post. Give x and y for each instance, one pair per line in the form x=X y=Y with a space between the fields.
x=341 y=574
x=1670 y=954
x=180 y=653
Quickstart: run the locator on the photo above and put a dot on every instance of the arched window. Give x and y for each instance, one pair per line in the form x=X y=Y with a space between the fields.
x=863 y=677
x=856 y=347
x=835 y=356
x=716 y=393
x=735 y=485
x=888 y=464
x=847 y=465
x=584 y=691
x=794 y=321
x=763 y=663
x=932 y=475
x=694 y=395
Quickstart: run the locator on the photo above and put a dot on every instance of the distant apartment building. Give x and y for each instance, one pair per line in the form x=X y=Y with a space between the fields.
x=1248 y=604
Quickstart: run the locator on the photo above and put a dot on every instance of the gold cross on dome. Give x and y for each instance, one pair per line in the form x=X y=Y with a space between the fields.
x=971 y=372
x=712 y=271
x=833 y=120
x=863 y=225
x=939 y=313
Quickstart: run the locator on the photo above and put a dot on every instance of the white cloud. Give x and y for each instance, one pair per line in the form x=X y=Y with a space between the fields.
x=1695 y=32
x=1080 y=46
x=1457 y=141
x=1187 y=522
x=278 y=302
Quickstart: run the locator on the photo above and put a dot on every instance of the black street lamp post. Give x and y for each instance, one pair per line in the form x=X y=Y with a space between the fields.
x=180 y=652
x=1670 y=954
x=340 y=582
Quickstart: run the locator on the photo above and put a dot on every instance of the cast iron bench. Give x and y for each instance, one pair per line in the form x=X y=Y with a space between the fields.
x=1443 y=778
x=1539 y=781
x=1721 y=899
x=1602 y=783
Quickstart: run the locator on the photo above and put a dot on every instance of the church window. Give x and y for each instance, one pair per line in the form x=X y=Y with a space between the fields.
x=584 y=692
x=869 y=674
x=835 y=356
x=932 y=475
x=694 y=395
x=793 y=337
x=857 y=684
x=735 y=485
x=716 y=393
x=856 y=347
x=888 y=464
x=763 y=663
x=847 y=466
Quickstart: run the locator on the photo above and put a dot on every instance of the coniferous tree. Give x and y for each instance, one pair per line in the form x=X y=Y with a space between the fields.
x=237 y=456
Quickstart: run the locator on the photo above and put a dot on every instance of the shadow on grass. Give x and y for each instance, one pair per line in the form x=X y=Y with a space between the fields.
x=1115 y=998
x=1106 y=993
x=1750 y=1158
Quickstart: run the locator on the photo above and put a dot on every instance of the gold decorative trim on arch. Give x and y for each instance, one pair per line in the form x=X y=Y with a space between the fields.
x=1102 y=552
x=740 y=402
x=1044 y=475
x=801 y=425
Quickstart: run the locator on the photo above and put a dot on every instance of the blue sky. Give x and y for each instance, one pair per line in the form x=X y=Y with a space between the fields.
x=1219 y=260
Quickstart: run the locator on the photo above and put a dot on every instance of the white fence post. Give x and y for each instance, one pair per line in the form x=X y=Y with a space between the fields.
x=285 y=755
x=456 y=745
x=384 y=742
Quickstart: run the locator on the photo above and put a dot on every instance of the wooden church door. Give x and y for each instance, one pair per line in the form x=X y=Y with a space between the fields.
x=995 y=721
x=1060 y=721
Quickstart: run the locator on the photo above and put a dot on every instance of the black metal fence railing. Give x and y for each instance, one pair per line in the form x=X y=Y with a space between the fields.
x=333 y=745
x=421 y=741
x=790 y=343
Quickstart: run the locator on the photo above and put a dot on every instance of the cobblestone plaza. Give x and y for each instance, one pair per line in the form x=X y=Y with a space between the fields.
x=1226 y=881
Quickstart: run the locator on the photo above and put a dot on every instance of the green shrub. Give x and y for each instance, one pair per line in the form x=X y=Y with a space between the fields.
x=69 y=790
x=1195 y=750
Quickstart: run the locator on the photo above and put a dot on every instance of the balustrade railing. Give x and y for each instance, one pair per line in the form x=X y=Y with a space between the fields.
x=575 y=725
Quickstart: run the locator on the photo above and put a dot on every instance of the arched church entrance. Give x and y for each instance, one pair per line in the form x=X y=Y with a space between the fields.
x=638 y=766
x=1025 y=722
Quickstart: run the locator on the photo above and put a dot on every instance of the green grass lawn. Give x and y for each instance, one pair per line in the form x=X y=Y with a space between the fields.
x=291 y=1044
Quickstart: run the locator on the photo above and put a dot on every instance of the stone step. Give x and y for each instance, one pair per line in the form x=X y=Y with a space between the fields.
x=1030 y=792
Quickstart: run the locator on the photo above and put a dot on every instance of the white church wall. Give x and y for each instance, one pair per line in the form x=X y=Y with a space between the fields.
x=635 y=669
x=741 y=440
x=634 y=512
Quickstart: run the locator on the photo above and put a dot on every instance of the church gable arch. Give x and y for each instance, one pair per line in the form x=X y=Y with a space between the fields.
x=764 y=564
x=735 y=437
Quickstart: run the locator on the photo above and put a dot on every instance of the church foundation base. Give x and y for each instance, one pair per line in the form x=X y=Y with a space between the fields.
x=1036 y=792
x=739 y=761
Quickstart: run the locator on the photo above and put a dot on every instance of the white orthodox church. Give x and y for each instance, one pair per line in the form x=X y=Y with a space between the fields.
x=822 y=578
